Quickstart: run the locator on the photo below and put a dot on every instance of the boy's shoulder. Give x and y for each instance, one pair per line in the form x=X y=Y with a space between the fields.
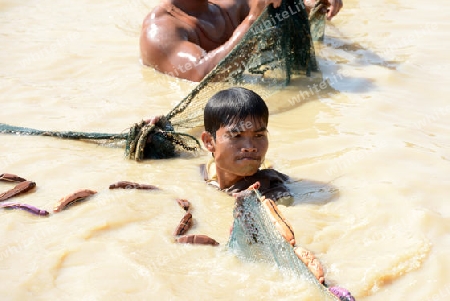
x=273 y=182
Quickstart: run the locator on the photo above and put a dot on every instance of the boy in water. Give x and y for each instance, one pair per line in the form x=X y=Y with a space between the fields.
x=235 y=133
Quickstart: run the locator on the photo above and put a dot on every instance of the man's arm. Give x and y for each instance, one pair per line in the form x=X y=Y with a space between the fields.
x=167 y=48
x=177 y=56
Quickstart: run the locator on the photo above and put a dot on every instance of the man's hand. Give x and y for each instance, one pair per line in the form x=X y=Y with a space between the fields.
x=334 y=6
x=258 y=6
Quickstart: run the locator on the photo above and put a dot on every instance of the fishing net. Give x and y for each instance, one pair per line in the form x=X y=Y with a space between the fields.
x=277 y=47
x=255 y=238
x=317 y=21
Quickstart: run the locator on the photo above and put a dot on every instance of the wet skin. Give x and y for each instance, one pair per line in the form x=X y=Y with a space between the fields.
x=238 y=150
x=333 y=6
x=173 y=47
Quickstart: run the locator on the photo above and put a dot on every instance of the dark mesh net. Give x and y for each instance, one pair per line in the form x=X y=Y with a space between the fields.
x=277 y=47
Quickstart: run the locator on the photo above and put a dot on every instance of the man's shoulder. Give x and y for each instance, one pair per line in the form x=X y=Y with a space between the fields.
x=160 y=35
x=159 y=16
x=272 y=182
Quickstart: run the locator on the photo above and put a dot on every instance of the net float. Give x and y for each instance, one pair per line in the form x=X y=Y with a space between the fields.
x=26 y=207
x=311 y=262
x=18 y=189
x=9 y=177
x=197 y=239
x=184 y=225
x=72 y=198
x=185 y=204
x=131 y=185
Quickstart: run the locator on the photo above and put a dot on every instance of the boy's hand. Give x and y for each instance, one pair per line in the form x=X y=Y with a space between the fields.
x=153 y=120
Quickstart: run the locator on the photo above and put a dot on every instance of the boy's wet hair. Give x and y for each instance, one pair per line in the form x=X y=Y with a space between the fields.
x=229 y=107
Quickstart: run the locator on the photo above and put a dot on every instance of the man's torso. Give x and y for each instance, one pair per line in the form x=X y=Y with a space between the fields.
x=208 y=31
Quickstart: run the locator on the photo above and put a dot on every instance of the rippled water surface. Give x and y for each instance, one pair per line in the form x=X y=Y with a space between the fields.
x=370 y=155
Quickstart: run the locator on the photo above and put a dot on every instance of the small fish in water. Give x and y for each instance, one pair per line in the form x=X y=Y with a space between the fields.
x=72 y=198
x=29 y=208
x=18 y=189
x=11 y=178
x=131 y=185
x=342 y=293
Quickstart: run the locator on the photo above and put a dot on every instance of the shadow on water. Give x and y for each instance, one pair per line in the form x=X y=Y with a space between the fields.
x=303 y=90
x=363 y=55
x=336 y=78
x=306 y=191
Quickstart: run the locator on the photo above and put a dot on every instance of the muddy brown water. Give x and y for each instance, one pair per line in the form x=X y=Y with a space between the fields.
x=369 y=152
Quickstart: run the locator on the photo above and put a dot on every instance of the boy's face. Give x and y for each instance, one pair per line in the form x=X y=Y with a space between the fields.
x=239 y=149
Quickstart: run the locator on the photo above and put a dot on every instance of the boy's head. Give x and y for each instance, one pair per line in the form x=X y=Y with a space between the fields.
x=236 y=132
x=232 y=107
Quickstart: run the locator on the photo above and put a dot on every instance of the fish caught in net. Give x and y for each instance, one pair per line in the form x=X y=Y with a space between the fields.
x=255 y=238
x=277 y=47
